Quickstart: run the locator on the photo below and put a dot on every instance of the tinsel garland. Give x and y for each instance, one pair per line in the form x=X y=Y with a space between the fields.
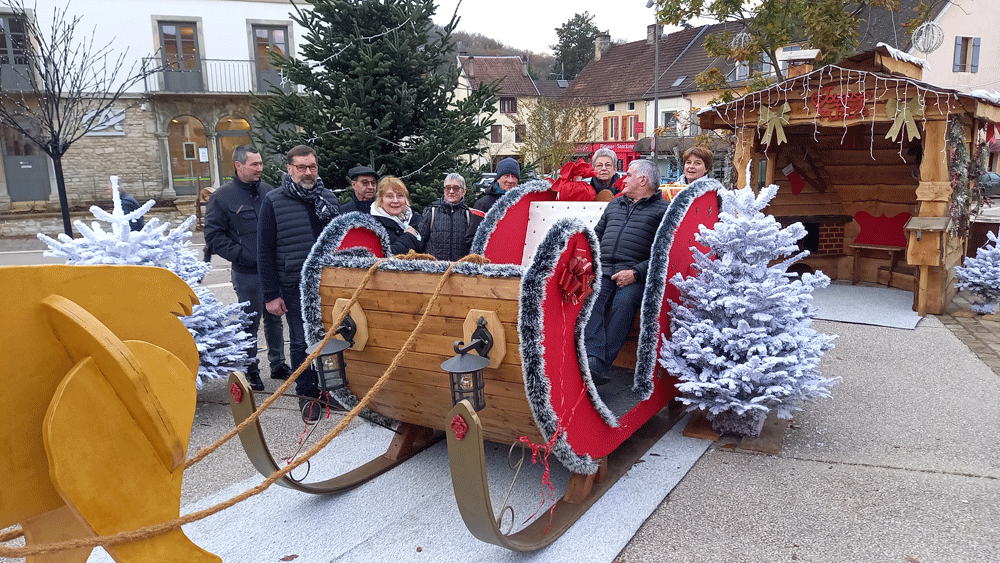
x=967 y=196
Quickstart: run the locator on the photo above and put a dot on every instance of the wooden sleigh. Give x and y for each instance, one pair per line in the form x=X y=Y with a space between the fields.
x=535 y=297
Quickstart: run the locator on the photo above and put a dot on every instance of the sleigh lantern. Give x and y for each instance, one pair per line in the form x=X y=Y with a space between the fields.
x=530 y=303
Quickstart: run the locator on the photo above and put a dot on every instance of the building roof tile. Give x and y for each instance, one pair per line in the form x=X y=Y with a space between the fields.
x=508 y=72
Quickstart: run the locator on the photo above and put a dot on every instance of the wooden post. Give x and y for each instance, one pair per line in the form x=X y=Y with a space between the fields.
x=745 y=140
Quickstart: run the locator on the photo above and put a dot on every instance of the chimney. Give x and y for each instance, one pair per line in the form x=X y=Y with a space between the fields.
x=801 y=62
x=651 y=33
x=472 y=67
x=524 y=65
x=601 y=45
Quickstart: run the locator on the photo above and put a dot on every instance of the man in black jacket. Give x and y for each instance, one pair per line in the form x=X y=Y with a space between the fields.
x=363 y=183
x=626 y=231
x=291 y=219
x=231 y=232
x=446 y=222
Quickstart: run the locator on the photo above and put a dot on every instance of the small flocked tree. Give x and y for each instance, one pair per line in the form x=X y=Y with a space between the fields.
x=741 y=341
x=981 y=276
x=218 y=329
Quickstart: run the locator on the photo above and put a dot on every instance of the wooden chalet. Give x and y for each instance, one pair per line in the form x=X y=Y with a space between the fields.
x=860 y=150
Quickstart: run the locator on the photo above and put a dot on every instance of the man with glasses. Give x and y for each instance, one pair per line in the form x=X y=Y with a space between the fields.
x=604 y=162
x=446 y=221
x=231 y=232
x=291 y=219
x=363 y=180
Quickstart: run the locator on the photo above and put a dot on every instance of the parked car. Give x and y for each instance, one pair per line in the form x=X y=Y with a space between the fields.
x=990 y=183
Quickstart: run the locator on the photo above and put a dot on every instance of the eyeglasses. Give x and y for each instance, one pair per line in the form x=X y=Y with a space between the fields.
x=453 y=188
x=605 y=165
x=366 y=183
x=306 y=167
x=393 y=196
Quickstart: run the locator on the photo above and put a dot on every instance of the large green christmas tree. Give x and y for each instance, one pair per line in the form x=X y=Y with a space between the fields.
x=379 y=87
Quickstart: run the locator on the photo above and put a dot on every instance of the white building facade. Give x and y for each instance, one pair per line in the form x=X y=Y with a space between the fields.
x=173 y=133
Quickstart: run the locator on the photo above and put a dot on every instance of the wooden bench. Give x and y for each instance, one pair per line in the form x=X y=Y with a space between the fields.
x=879 y=234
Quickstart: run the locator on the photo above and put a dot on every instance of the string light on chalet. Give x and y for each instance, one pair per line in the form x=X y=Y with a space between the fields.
x=465 y=370
x=331 y=369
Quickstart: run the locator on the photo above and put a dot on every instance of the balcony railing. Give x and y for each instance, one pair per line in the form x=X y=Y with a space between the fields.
x=214 y=76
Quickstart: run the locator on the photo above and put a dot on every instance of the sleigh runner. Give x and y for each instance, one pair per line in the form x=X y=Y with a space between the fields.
x=534 y=300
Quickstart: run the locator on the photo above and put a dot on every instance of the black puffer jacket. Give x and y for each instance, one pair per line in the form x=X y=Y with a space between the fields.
x=626 y=231
x=287 y=230
x=231 y=223
x=401 y=241
x=444 y=227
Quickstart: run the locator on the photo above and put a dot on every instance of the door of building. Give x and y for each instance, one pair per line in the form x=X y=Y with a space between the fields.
x=14 y=68
x=181 y=59
x=267 y=40
x=25 y=166
x=230 y=133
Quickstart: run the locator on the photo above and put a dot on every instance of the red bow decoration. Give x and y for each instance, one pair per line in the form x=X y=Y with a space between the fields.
x=572 y=184
x=577 y=278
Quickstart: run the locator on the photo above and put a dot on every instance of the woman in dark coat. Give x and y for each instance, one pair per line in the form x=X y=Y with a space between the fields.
x=391 y=208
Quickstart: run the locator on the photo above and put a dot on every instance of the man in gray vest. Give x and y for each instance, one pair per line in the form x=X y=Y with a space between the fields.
x=291 y=219
x=231 y=232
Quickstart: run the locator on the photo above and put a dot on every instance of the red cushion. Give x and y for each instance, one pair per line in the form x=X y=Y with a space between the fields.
x=881 y=230
x=364 y=238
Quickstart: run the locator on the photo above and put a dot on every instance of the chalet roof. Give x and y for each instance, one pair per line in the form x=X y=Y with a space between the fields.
x=508 y=72
x=863 y=66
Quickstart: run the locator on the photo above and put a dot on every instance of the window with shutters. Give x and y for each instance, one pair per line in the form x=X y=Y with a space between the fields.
x=519 y=133
x=508 y=104
x=496 y=134
x=966 y=54
x=632 y=120
x=611 y=128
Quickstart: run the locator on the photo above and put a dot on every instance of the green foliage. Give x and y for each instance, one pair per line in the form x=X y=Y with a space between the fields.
x=828 y=25
x=379 y=86
x=576 y=45
x=553 y=127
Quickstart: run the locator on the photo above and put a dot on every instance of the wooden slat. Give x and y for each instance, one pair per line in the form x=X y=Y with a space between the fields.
x=513 y=390
x=439 y=325
x=426 y=343
x=510 y=370
x=421 y=397
x=445 y=305
x=394 y=283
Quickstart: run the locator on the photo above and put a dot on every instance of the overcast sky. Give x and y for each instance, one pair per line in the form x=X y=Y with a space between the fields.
x=531 y=24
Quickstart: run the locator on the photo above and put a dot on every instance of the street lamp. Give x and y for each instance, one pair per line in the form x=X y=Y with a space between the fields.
x=656 y=80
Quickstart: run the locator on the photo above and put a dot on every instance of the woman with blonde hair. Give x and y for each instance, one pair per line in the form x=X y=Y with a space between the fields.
x=391 y=208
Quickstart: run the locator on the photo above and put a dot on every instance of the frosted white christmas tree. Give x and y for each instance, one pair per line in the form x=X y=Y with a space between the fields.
x=741 y=340
x=981 y=276
x=217 y=328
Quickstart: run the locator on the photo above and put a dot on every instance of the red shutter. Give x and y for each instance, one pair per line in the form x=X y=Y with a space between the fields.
x=605 y=128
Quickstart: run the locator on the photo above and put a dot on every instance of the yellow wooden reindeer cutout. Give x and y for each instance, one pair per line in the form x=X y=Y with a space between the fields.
x=99 y=397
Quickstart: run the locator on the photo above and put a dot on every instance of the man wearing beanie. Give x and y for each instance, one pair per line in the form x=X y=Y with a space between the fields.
x=508 y=175
x=363 y=180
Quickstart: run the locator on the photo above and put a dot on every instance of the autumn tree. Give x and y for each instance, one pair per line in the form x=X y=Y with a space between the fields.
x=768 y=25
x=576 y=45
x=551 y=129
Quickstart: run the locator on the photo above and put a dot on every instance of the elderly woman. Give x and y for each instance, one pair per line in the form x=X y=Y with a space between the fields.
x=391 y=208
x=605 y=165
x=697 y=163
x=446 y=221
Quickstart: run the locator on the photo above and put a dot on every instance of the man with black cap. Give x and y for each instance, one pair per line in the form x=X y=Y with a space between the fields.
x=291 y=219
x=508 y=175
x=231 y=232
x=363 y=180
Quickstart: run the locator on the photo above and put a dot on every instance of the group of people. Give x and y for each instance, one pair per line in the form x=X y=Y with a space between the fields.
x=266 y=233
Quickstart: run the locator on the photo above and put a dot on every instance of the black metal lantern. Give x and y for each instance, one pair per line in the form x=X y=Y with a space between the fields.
x=330 y=367
x=465 y=370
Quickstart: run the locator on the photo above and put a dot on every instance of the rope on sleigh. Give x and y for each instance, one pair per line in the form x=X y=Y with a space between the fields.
x=176 y=523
